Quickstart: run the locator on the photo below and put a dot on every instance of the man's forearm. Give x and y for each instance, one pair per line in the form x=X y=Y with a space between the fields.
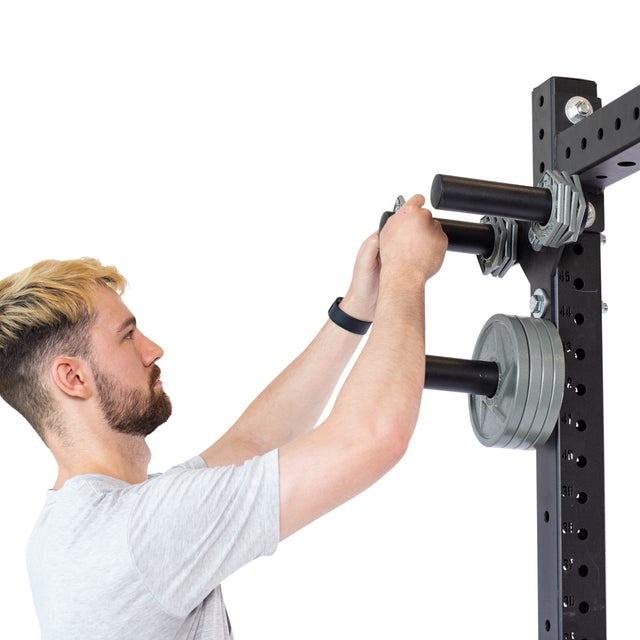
x=385 y=384
x=369 y=428
x=292 y=404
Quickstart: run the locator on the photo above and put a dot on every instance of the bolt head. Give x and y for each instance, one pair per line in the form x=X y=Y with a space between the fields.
x=534 y=303
x=538 y=303
x=577 y=109
x=584 y=108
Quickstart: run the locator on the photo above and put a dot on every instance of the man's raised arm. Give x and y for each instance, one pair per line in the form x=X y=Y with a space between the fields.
x=292 y=404
x=376 y=411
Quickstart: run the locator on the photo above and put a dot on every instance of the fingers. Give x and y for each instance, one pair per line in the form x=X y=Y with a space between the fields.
x=414 y=242
x=415 y=201
x=372 y=243
x=368 y=253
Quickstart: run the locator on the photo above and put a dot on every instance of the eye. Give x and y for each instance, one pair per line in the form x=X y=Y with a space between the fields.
x=129 y=335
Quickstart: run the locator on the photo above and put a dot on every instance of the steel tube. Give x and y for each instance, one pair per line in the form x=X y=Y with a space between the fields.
x=491 y=198
x=469 y=237
x=465 y=376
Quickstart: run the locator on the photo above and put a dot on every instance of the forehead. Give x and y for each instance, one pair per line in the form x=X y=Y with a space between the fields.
x=109 y=311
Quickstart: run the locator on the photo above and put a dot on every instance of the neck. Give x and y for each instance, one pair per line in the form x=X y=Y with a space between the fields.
x=121 y=456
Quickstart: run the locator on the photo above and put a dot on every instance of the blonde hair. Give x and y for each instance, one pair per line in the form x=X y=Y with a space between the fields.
x=45 y=311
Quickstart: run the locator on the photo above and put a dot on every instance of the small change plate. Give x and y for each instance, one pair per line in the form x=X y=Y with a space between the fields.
x=536 y=374
x=495 y=420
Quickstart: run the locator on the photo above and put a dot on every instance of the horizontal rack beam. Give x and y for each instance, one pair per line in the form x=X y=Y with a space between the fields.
x=604 y=147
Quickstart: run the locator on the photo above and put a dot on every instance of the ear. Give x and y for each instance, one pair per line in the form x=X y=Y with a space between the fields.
x=70 y=376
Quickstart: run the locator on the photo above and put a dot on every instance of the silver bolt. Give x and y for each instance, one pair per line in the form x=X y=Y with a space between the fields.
x=538 y=303
x=603 y=239
x=577 y=109
x=591 y=216
x=605 y=307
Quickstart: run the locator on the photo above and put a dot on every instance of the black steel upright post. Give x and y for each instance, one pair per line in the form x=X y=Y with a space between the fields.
x=570 y=466
x=572 y=133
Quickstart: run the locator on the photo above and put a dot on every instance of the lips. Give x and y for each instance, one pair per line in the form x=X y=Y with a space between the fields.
x=155 y=376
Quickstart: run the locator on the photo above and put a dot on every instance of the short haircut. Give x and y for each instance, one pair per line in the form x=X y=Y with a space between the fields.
x=46 y=311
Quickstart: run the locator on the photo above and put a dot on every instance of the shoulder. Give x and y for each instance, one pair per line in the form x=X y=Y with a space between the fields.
x=193 y=482
x=197 y=462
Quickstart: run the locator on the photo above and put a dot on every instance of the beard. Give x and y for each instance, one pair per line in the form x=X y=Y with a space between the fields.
x=132 y=411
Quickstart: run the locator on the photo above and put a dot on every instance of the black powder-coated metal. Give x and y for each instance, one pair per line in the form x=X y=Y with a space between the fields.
x=570 y=466
x=465 y=376
x=605 y=147
x=469 y=237
x=483 y=197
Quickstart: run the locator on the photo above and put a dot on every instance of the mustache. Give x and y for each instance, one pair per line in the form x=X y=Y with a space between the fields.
x=155 y=374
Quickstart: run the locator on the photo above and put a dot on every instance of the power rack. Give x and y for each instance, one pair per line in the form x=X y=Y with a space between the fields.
x=601 y=148
x=538 y=382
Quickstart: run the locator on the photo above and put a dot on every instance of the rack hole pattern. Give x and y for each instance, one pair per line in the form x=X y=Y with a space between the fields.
x=579 y=354
x=617 y=125
x=570 y=508
x=579 y=494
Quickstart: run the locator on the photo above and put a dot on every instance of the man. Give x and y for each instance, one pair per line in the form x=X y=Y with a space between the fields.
x=120 y=554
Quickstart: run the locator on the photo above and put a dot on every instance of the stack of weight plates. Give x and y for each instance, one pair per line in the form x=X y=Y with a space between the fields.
x=523 y=412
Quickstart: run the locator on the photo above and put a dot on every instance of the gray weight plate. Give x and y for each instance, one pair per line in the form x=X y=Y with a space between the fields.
x=548 y=377
x=495 y=420
x=557 y=387
x=535 y=384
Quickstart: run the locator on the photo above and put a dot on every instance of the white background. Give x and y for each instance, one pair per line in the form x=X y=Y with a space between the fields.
x=229 y=158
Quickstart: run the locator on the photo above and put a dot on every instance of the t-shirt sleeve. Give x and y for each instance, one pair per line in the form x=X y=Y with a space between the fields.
x=192 y=527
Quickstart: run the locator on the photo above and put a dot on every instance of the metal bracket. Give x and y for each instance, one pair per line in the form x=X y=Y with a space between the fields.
x=567 y=213
x=504 y=254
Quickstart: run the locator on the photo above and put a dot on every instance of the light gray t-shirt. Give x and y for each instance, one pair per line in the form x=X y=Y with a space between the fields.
x=109 y=560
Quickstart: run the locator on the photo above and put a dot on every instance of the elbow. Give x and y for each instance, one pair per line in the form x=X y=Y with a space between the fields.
x=392 y=441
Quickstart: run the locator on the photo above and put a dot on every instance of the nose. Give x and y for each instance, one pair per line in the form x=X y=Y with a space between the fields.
x=149 y=351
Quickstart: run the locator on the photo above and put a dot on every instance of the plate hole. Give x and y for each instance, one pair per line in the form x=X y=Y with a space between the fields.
x=626 y=163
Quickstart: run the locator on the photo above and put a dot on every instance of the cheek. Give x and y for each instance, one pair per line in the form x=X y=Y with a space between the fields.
x=121 y=363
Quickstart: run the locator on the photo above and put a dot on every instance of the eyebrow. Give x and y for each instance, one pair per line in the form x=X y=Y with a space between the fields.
x=129 y=322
